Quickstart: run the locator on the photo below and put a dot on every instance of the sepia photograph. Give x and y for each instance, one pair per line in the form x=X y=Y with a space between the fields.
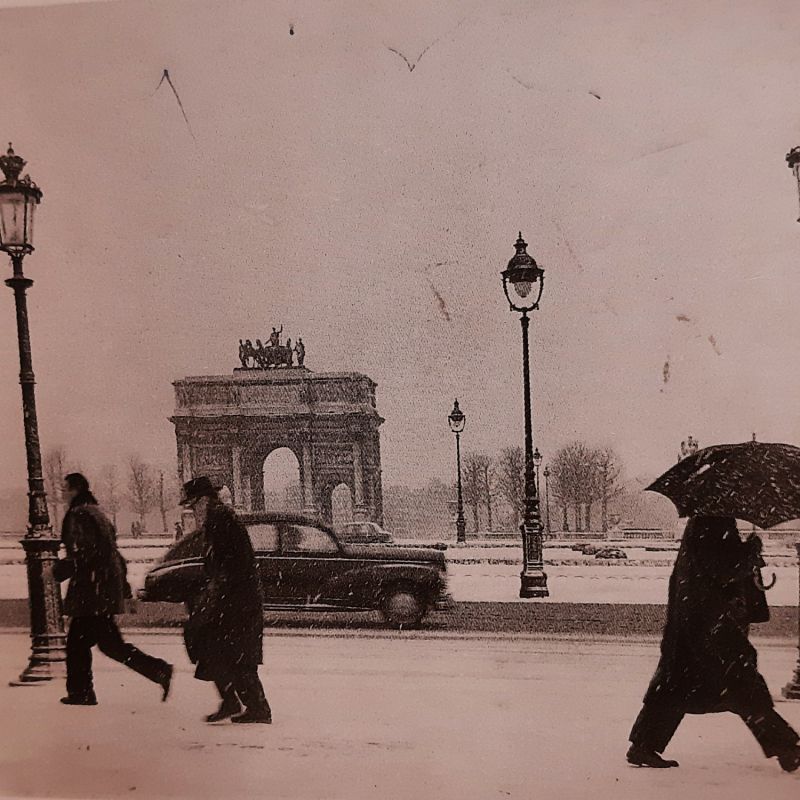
x=398 y=399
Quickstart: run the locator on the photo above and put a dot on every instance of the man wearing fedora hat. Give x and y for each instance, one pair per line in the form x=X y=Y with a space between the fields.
x=225 y=628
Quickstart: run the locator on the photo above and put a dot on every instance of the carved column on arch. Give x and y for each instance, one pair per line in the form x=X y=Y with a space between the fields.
x=360 y=508
x=309 y=506
x=236 y=464
x=185 y=461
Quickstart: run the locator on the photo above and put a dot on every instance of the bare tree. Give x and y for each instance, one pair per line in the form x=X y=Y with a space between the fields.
x=110 y=491
x=488 y=477
x=511 y=480
x=142 y=489
x=607 y=478
x=572 y=481
x=473 y=484
x=167 y=494
x=54 y=472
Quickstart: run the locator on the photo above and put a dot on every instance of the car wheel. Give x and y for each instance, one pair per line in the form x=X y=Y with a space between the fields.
x=403 y=608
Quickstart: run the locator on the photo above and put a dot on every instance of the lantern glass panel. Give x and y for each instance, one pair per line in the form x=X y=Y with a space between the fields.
x=12 y=219
x=522 y=288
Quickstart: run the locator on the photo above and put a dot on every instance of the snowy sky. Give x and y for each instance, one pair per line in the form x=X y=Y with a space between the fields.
x=326 y=187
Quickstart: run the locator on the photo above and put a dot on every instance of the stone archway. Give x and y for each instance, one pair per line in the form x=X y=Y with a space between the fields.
x=227 y=426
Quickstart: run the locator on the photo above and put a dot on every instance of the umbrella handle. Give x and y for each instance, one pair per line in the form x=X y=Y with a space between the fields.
x=760 y=584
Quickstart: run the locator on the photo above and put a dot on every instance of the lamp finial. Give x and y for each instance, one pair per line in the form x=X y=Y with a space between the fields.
x=12 y=165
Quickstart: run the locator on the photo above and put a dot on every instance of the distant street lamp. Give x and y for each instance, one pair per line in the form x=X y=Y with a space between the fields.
x=793 y=161
x=457 y=420
x=537 y=462
x=546 y=474
x=18 y=200
x=523 y=283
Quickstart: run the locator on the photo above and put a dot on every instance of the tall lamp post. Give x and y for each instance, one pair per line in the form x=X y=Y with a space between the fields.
x=546 y=474
x=523 y=283
x=18 y=200
x=457 y=420
x=792 y=689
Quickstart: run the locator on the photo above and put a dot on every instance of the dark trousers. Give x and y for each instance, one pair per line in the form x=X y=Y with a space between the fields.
x=86 y=632
x=245 y=684
x=656 y=725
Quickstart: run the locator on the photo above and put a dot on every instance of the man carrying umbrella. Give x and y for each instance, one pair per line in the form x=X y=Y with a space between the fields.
x=707 y=663
x=225 y=627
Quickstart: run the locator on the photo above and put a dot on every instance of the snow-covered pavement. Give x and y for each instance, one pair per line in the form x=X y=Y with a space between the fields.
x=383 y=717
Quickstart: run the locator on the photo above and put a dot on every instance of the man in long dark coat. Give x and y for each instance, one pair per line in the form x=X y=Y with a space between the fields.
x=707 y=662
x=97 y=591
x=225 y=627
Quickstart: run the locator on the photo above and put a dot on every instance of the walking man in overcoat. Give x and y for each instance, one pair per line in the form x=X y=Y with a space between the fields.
x=707 y=662
x=225 y=628
x=97 y=590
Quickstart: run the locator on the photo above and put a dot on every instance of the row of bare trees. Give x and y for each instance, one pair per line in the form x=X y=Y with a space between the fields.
x=580 y=477
x=140 y=487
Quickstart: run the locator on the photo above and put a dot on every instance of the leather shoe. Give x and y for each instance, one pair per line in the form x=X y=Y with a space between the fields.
x=253 y=716
x=166 y=682
x=226 y=709
x=790 y=761
x=80 y=699
x=640 y=757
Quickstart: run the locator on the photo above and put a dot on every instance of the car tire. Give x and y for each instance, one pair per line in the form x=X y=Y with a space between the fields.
x=402 y=607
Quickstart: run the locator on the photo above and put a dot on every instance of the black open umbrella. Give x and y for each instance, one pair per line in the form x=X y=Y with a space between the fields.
x=754 y=481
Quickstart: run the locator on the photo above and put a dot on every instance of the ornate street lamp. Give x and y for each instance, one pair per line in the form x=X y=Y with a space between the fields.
x=793 y=162
x=523 y=283
x=18 y=200
x=457 y=421
x=546 y=474
x=792 y=689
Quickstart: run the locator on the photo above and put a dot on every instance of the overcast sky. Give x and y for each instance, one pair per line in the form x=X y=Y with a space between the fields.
x=322 y=185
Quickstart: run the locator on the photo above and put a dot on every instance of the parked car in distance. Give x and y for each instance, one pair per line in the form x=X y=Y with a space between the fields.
x=304 y=566
x=610 y=552
x=589 y=549
x=363 y=533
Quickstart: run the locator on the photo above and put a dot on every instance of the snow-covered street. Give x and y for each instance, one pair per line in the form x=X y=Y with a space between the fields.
x=491 y=574
x=377 y=716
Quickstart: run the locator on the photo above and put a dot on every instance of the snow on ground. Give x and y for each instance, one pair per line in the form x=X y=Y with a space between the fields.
x=583 y=580
x=500 y=582
x=383 y=717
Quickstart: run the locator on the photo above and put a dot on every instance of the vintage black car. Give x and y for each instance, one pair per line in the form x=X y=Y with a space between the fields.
x=304 y=566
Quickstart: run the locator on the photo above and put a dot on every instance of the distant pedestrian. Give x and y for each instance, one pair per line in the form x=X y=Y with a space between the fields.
x=707 y=662
x=97 y=590
x=225 y=628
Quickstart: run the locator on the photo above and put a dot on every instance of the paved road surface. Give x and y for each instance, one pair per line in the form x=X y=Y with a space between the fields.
x=380 y=717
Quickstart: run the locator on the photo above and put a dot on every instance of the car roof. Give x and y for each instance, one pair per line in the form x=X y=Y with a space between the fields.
x=267 y=517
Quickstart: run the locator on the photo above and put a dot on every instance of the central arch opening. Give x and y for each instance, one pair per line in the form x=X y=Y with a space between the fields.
x=281 y=480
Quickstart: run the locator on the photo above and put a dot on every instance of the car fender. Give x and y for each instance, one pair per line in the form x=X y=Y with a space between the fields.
x=173 y=583
x=368 y=584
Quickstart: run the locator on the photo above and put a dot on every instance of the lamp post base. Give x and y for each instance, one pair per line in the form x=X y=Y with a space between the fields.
x=461 y=531
x=45 y=663
x=48 y=642
x=792 y=689
x=533 y=583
